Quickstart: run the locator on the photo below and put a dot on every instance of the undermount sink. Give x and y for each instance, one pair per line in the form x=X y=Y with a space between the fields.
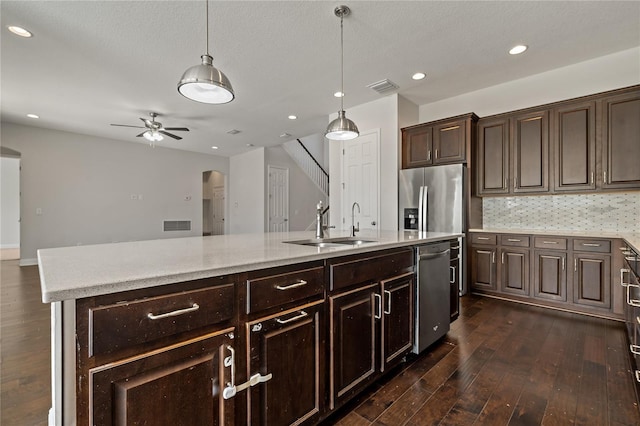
x=331 y=242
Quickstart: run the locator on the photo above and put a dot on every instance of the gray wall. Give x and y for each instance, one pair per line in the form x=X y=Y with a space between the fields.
x=84 y=187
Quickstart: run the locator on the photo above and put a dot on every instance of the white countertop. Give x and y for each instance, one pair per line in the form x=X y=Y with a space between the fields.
x=75 y=272
x=632 y=238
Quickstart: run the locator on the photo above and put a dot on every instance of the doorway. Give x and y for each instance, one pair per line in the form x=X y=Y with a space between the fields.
x=10 y=207
x=278 y=199
x=360 y=171
x=213 y=203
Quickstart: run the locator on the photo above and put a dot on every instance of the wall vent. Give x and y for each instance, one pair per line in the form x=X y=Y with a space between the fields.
x=177 y=225
x=383 y=86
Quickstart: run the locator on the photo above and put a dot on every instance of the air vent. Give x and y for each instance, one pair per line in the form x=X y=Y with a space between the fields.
x=177 y=225
x=233 y=131
x=383 y=86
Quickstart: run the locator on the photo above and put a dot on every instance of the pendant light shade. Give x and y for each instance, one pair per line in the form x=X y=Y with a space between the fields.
x=204 y=82
x=341 y=129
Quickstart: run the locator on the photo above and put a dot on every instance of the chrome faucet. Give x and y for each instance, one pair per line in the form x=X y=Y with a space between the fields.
x=319 y=214
x=354 y=228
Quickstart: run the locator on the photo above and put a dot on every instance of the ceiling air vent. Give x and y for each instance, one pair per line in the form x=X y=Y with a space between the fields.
x=177 y=225
x=383 y=86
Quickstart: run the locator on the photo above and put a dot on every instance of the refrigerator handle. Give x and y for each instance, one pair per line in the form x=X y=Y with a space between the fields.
x=420 y=209
x=424 y=218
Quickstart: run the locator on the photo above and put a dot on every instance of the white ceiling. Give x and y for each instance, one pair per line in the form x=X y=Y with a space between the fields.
x=92 y=63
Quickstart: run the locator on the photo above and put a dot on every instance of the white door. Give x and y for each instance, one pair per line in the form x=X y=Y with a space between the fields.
x=218 y=210
x=360 y=174
x=278 y=199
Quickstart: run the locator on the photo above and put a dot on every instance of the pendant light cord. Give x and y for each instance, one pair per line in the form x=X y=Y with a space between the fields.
x=341 y=63
x=207 y=16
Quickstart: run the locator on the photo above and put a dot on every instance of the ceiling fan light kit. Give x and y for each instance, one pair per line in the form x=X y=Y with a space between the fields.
x=341 y=128
x=204 y=82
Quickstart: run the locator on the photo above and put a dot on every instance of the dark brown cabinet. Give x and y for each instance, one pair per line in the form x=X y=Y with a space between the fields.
x=178 y=385
x=493 y=157
x=439 y=142
x=397 y=318
x=574 y=146
x=530 y=149
x=289 y=346
x=621 y=140
x=514 y=271
x=592 y=280
x=454 y=281
x=550 y=275
x=483 y=268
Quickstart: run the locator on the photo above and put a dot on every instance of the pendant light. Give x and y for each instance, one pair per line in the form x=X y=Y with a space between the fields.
x=204 y=82
x=342 y=129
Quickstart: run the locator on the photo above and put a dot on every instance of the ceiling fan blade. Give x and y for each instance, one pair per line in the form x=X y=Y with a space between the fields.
x=182 y=129
x=126 y=125
x=169 y=134
x=141 y=134
x=146 y=122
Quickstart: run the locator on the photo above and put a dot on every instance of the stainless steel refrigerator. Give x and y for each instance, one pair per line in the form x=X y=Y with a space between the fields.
x=431 y=199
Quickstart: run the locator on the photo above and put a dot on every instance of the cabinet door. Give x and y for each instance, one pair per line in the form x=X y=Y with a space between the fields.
x=178 y=385
x=397 y=326
x=592 y=280
x=454 y=289
x=493 y=157
x=621 y=141
x=352 y=363
x=530 y=152
x=290 y=347
x=483 y=268
x=449 y=142
x=574 y=147
x=514 y=271
x=550 y=275
x=416 y=147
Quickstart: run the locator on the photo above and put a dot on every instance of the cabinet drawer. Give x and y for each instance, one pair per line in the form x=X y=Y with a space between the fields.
x=551 y=243
x=600 y=246
x=515 y=240
x=126 y=324
x=275 y=290
x=484 y=239
x=346 y=272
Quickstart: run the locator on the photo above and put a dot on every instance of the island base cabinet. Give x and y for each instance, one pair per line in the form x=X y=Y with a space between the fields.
x=178 y=385
x=397 y=325
x=288 y=346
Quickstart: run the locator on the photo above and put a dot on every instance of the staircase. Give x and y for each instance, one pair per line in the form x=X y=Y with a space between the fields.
x=308 y=164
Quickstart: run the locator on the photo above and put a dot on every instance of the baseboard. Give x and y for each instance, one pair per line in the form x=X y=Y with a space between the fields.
x=28 y=262
x=9 y=246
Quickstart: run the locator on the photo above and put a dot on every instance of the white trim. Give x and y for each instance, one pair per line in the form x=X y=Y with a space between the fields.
x=28 y=262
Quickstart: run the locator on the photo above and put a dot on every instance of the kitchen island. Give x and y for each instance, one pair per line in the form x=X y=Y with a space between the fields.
x=207 y=324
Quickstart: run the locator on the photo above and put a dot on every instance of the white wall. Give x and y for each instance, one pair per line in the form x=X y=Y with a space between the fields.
x=380 y=114
x=303 y=193
x=10 y=202
x=609 y=72
x=83 y=186
x=246 y=192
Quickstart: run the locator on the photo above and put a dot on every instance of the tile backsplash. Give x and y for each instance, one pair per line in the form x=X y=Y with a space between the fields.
x=615 y=212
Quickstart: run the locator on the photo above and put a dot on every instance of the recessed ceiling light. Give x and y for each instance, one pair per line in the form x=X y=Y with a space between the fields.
x=285 y=135
x=516 y=50
x=33 y=116
x=338 y=94
x=418 y=76
x=293 y=117
x=214 y=147
x=19 y=31
x=249 y=144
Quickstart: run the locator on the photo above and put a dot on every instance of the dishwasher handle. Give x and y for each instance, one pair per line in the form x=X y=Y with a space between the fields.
x=434 y=255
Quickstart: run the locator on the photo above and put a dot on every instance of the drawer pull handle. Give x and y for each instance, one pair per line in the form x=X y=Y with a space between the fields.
x=637 y=375
x=193 y=308
x=630 y=259
x=297 y=317
x=635 y=349
x=378 y=306
x=549 y=242
x=630 y=301
x=624 y=283
x=513 y=240
x=482 y=238
x=591 y=245
x=452 y=278
x=388 y=293
x=290 y=286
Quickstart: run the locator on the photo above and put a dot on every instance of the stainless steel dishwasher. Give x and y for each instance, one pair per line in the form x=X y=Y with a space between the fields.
x=432 y=294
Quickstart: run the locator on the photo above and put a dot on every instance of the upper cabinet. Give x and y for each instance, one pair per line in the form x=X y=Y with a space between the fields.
x=439 y=142
x=621 y=141
x=585 y=144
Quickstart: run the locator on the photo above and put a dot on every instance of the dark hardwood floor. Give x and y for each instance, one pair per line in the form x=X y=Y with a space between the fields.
x=501 y=364
x=504 y=363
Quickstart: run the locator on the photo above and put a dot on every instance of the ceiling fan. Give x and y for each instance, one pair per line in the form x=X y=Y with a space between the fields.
x=154 y=129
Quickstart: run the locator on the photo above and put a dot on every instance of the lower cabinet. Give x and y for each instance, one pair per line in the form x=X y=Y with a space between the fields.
x=288 y=348
x=483 y=268
x=550 y=272
x=592 y=280
x=178 y=385
x=514 y=271
x=371 y=330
